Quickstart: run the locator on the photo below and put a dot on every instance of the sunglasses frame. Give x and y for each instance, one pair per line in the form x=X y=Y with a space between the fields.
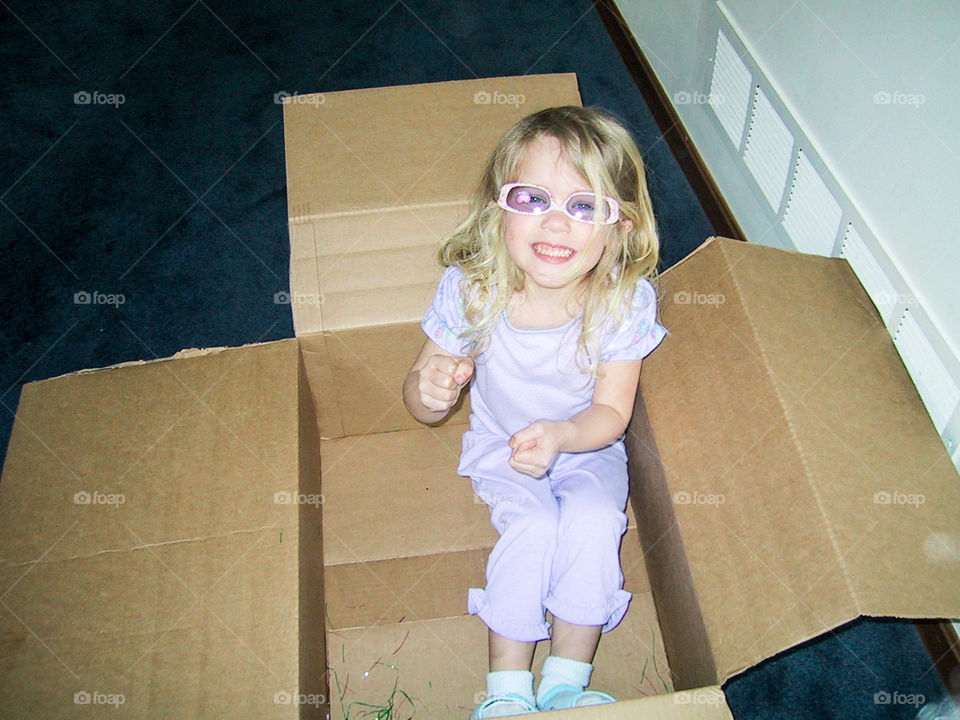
x=505 y=190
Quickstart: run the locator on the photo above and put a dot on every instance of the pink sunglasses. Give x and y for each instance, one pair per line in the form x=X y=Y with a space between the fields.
x=527 y=199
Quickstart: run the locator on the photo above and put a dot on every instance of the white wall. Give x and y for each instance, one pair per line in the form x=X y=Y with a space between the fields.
x=900 y=163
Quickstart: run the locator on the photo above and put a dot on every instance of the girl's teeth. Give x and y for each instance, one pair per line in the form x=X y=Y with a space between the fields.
x=554 y=252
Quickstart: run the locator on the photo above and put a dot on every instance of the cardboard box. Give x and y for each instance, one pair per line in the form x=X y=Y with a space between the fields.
x=169 y=549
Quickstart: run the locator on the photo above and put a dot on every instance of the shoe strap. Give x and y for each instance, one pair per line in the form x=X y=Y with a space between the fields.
x=505 y=698
x=579 y=694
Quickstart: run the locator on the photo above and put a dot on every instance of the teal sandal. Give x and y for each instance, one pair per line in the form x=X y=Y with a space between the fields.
x=480 y=711
x=564 y=697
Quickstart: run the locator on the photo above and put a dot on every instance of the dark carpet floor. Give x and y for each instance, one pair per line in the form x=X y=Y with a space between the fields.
x=174 y=202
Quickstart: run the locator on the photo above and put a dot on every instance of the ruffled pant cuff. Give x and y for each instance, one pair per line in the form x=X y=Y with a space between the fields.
x=501 y=624
x=609 y=616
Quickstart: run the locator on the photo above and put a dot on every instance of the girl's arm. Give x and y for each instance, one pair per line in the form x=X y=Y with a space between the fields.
x=434 y=383
x=536 y=446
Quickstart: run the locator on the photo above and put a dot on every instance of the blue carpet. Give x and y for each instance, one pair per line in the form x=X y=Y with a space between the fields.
x=167 y=211
x=870 y=668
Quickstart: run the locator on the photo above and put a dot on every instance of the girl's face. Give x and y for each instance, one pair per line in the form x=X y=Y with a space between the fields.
x=553 y=251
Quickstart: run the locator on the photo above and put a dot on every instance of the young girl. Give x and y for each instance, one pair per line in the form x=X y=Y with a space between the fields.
x=545 y=306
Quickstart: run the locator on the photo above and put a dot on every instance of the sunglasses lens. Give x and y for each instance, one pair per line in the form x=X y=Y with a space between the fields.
x=585 y=207
x=527 y=199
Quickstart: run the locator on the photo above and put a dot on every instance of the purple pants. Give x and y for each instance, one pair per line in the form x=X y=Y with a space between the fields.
x=559 y=546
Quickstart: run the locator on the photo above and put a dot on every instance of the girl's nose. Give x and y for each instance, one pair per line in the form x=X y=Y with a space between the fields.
x=556 y=220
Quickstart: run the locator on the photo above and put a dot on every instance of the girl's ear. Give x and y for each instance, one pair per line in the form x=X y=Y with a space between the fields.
x=627 y=225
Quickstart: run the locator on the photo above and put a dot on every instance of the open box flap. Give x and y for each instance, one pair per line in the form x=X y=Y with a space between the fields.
x=801 y=479
x=377 y=177
x=143 y=551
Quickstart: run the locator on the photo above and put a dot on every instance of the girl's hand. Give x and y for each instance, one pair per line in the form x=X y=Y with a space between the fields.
x=536 y=447
x=441 y=380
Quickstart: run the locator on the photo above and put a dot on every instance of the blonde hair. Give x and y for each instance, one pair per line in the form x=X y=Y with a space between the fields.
x=604 y=153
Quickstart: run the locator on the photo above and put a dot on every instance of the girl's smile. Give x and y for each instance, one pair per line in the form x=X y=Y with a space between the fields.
x=553 y=253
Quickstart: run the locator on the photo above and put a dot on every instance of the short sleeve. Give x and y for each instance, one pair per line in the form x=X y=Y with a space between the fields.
x=640 y=333
x=444 y=320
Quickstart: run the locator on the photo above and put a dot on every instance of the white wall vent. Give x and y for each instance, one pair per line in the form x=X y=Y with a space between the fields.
x=756 y=146
x=768 y=149
x=937 y=389
x=874 y=280
x=729 y=89
x=812 y=215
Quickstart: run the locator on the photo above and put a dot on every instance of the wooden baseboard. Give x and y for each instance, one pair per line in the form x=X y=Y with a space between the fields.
x=942 y=643
x=683 y=149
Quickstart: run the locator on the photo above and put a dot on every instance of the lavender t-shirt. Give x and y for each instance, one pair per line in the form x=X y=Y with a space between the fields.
x=532 y=374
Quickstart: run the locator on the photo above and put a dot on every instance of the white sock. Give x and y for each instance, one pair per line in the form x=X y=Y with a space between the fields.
x=563 y=671
x=509 y=682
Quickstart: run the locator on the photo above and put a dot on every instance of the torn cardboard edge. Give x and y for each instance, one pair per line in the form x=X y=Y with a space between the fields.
x=180 y=354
